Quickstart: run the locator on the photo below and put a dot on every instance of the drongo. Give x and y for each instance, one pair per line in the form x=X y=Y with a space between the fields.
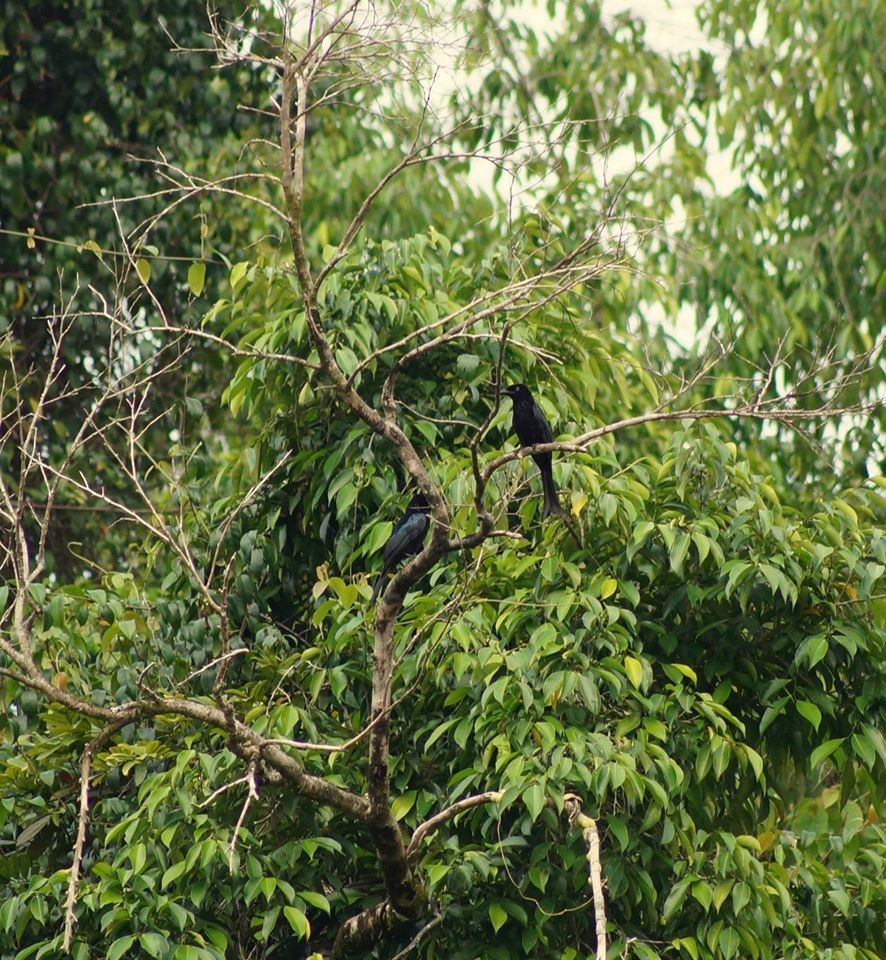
x=531 y=428
x=406 y=539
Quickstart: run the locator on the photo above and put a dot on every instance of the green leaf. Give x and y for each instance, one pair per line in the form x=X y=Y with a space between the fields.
x=137 y=857
x=640 y=535
x=347 y=593
x=534 y=798
x=119 y=947
x=315 y=900
x=267 y=885
x=8 y=913
x=688 y=945
x=728 y=942
x=378 y=536
x=436 y=872
x=813 y=650
x=467 y=363
x=346 y=360
x=143 y=269
x=634 y=671
x=619 y=830
x=755 y=760
x=675 y=898
x=677 y=552
x=497 y=916
x=771 y=712
x=270 y=922
x=403 y=804
x=864 y=749
x=238 y=272
x=656 y=728
x=687 y=672
x=840 y=899
x=702 y=545
x=439 y=731
x=702 y=893
x=736 y=570
x=643 y=951
x=824 y=750
x=721 y=892
x=809 y=711
x=197 y=277
x=37 y=592
x=877 y=741
x=154 y=944
x=173 y=873
x=741 y=897
x=185 y=951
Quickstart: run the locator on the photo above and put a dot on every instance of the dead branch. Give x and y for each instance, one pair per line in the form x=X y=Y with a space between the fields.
x=251 y=794
x=414 y=942
x=93 y=747
x=435 y=822
x=588 y=827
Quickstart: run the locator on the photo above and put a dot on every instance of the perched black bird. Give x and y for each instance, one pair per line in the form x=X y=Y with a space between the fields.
x=531 y=428
x=406 y=539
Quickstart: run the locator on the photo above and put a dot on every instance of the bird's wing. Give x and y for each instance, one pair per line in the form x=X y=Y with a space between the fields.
x=544 y=428
x=406 y=537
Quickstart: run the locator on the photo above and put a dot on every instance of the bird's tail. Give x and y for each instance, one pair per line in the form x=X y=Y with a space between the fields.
x=552 y=504
x=378 y=587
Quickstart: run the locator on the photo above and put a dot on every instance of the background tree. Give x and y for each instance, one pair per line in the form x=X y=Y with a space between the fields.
x=214 y=748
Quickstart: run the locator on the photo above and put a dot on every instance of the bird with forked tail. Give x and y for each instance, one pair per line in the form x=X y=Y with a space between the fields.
x=406 y=539
x=532 y=427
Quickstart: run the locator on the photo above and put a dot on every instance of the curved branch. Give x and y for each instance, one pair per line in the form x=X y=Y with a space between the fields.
x=89 y=752
x=580 y=444
x=429 y=826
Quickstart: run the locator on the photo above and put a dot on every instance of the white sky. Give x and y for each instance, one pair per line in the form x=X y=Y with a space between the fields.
x=671 y=25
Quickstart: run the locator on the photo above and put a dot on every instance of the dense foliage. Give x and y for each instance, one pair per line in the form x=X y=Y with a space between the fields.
x=695 y=656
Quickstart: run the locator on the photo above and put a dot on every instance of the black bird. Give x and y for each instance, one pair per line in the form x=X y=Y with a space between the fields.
x=531 y=428
x=406 y=539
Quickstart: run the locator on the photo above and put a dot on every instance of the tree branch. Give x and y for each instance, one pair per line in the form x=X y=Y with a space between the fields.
x=89 y=752
x=588 y=828
x=434 y=823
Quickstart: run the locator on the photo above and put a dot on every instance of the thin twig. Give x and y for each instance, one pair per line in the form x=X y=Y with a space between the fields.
x=89 y=752
x=429 y=826
x=414 y=942
x=252 y=794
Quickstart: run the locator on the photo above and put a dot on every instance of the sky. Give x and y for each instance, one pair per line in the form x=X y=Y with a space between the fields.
x=672 y=25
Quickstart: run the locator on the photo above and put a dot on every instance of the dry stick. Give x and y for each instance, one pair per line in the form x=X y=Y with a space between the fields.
x=588 y=827
x=429 y=826
x=251 y=795
x=85 y=764
x=227 y=345
x=425 y=930
x=212 y=663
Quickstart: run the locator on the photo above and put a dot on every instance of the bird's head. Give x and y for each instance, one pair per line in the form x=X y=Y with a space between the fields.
x=420 y=503
x=518 y=392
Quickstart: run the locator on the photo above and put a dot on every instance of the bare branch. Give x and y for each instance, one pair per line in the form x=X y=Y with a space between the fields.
x=252 y=794
x=89 y=752
x=435 y=822
x=588 y=828
x=414 y=942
